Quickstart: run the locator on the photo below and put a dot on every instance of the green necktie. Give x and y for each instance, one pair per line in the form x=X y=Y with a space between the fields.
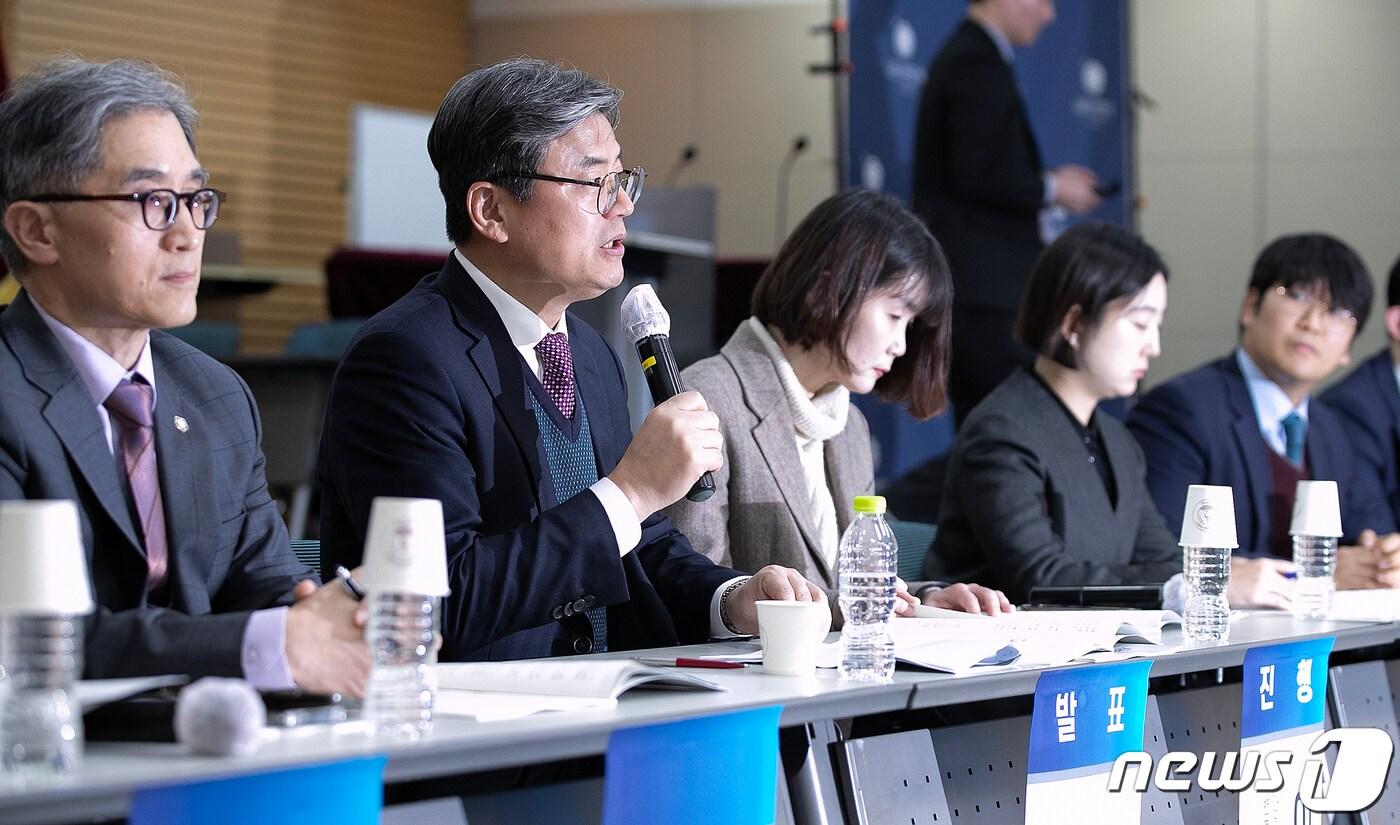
x=1295 y=431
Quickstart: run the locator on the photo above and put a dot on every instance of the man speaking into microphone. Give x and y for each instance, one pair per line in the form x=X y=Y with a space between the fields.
x=479 y=389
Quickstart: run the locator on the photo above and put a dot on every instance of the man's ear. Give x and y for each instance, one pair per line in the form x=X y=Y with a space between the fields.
x=488 y=211
x=1392 y=322
x=30 y=226
x=1249 y=309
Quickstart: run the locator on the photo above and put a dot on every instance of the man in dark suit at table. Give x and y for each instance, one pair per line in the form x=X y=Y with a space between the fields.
x=480 y=390
x=1369 y=401
x=980 y=186
x=1248 y=420
x=105 y=207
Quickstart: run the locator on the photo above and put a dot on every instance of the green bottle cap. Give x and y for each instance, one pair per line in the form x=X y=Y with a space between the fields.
x=869 y=504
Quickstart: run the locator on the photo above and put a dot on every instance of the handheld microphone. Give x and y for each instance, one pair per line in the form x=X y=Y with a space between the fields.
x=647 y=323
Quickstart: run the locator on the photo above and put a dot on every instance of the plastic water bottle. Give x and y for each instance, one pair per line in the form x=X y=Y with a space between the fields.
x=1207 y=576
x=866 y=565
x=41 y=725
x=403 y=678
x=1315 y=558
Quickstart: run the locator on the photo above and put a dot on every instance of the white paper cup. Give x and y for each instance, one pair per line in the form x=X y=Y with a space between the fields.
x=404 y=550
x=43 y=568
x=791 y=632
x=1316 y=511
x=1209 y=520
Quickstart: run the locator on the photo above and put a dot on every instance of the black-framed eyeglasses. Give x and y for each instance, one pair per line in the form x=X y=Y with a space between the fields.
x=609 y=185
x=159 y=207
x=1300 y=302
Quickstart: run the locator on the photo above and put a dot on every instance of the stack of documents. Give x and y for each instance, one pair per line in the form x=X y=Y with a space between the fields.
x=1365 y=605
x=956 y=642
x=491 y=691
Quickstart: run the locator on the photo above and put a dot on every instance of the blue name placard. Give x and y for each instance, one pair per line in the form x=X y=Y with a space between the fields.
x=716 y=769
x=1087 y=716
x=1284 y=687
x=337 y=793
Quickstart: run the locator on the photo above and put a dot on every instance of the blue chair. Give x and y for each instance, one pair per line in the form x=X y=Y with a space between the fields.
x=324 y=340
x=915 y=541
x=308 y=552
x=291 y=394
x=217 y=339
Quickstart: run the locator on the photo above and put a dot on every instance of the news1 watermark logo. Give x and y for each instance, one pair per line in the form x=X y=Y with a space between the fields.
x=1357 y=778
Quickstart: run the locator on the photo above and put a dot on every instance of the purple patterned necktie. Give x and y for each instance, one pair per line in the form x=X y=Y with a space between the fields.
x=557 y=371
x=130 y=405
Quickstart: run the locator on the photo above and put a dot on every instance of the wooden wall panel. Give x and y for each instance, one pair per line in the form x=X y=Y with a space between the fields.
x=274 y=81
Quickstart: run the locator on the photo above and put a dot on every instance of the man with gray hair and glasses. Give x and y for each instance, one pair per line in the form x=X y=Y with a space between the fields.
x=105 y=208
x=478 y=388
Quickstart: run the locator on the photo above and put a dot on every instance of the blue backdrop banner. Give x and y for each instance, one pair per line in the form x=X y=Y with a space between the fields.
x=1076 y=86
x=1074 y=80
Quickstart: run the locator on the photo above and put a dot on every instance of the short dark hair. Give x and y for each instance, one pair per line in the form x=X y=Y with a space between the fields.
x=850 y=246
x=501 y=119
x=51 y=124
x=1089 y=266
x=1392 y=287
x=1312 y=259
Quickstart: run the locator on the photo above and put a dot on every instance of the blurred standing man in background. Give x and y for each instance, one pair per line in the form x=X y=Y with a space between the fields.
x=980 y=187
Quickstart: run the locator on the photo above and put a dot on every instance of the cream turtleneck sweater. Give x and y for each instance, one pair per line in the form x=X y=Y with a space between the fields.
x=816 y=419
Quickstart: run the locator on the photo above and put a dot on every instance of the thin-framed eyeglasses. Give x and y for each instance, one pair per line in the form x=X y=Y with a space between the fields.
x=159 y=207
x=609 y=185
x=1300 y=302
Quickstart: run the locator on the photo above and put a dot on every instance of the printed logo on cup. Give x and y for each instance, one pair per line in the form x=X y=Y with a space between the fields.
x=401 y=546
x=1209 y=517
x=1201 y=515
x=405 y=548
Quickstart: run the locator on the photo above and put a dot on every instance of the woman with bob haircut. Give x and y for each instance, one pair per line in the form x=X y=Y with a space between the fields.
x=1041 y=489
x=857 y=299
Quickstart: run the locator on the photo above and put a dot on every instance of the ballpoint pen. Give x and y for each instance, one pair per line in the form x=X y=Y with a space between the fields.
x=682 y=661
x=351 y=585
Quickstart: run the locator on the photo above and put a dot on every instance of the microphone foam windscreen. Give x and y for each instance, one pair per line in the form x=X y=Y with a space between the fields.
x=643 y=315
x=219 y=717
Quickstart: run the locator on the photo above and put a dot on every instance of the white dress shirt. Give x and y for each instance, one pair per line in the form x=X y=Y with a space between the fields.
x=1271 y=404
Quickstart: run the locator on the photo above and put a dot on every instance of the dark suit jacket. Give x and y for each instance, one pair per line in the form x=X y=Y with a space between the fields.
x=977 y=171
x=228 y=547
x=1023 y=507
x=1200 y=428
x=431 y=401
x=1369 y=402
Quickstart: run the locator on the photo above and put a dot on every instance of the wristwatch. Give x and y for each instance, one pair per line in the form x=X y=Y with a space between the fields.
x=724 y=605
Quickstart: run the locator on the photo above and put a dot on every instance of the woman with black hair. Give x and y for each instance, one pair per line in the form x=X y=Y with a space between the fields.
x=856 y=300
x=1042 y=489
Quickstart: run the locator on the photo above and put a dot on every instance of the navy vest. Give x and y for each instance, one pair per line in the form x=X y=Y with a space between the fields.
x=573 y=468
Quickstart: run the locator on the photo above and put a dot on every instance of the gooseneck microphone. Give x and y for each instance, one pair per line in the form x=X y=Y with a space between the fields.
x=648 y=324
x=799 y=145
x=687 y=157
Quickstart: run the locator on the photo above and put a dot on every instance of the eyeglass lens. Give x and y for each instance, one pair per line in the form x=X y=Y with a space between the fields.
x=161 y=207
x=1304 y=302
x=628 y=180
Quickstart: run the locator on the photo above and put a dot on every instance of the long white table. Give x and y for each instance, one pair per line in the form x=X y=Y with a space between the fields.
x=112 y=771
